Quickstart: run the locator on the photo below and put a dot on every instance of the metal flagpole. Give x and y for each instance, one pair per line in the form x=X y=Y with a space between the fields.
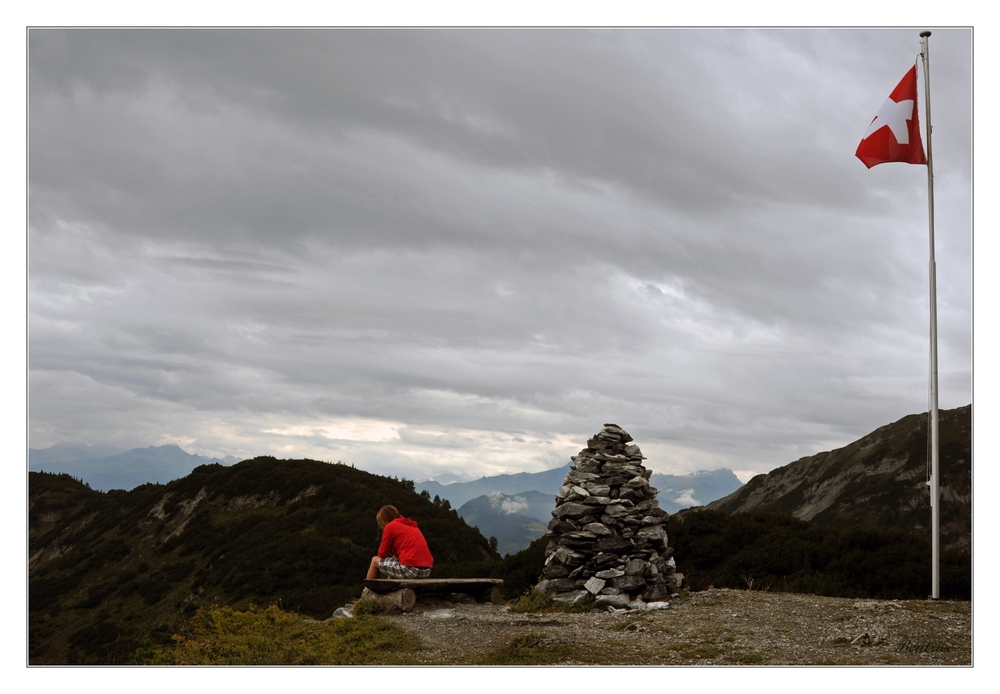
x=935 y=467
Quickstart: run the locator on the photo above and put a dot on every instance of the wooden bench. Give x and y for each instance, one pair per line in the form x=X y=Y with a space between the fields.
x=402 y=592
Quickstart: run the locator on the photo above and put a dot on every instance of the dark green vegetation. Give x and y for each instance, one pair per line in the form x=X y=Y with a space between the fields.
x=223 y=636
x=778 y=552
x=532 y=649
x=879 y=480
x=774 y=551
x=111 y=572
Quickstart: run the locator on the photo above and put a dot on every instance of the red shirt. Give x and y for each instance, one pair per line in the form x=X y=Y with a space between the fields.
x=402 y=539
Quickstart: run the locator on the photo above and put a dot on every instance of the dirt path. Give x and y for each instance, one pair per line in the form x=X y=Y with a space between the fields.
x=714 y=627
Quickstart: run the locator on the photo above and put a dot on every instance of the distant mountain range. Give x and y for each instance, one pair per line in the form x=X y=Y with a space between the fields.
x=457 y=493
x=516 y=508
x=105 y=468
x=878 y=480
x=513 y=520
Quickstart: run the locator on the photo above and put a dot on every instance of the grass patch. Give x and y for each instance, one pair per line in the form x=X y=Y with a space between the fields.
x=753 y=658
x=366 y=607
x=535 y=601
x=224 y=636
x=530 y=649
x=696 y=651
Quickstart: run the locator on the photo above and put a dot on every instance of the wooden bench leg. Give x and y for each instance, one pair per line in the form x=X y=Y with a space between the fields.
x=401 y=600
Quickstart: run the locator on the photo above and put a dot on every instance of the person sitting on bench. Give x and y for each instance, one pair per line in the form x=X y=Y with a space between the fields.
x=403 y=552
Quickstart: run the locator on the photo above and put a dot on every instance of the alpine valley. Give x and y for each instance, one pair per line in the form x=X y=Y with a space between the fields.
x=112 y=574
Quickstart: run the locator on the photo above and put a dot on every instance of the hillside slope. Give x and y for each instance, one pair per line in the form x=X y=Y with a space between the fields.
x=108 y=571
x=878 y=480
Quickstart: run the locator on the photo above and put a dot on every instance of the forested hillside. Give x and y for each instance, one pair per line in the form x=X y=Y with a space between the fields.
x=108 y=571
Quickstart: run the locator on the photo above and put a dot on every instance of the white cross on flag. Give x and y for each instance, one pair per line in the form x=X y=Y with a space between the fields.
x=894 y=134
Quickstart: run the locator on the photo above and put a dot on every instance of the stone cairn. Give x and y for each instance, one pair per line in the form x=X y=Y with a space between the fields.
x=608 y=536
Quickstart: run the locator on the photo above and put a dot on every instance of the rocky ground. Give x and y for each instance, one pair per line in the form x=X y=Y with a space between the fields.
x=713 y=627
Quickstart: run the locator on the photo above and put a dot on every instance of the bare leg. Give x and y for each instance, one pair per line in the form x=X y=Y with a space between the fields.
x=373 y=568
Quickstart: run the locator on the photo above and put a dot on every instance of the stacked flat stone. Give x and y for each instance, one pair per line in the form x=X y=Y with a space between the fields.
x=608 y=535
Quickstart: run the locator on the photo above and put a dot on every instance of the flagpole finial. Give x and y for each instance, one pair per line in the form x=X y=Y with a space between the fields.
x=924 y=34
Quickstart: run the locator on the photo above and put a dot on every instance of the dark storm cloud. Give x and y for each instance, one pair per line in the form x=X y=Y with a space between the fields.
x=486 y=231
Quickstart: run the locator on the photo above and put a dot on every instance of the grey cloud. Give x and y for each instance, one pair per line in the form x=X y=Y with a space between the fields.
x=508 y=231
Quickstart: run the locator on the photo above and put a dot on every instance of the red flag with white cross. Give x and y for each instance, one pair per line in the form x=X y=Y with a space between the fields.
x=894 y=133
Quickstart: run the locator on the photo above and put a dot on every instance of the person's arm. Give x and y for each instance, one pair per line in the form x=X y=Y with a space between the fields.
x=385 y=549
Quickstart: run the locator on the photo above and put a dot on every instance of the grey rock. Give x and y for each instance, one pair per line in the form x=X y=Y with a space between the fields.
x=594 y=584
x=597 y=489
x=610 y=590
x=637 y=482
x=560 y=585
x=556 y=570
x=597 y=529
x=617 y=601
x=568 y=556
x=570 y=510
x=636 y=567
x=653 y=532
x=558 y=526
x=610 y=573
x=448 y=613
x=604 y=559
x=629 y=583
x=588 y=465
x=544 y=587
x=612 y=543
x=342 y=613
x=572 y=597
x=655 y=592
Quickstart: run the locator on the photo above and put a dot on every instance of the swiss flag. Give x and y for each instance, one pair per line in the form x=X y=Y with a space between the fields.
x=894 y=134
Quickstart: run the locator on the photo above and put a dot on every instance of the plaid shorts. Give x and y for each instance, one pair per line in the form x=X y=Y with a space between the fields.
x=391 y=568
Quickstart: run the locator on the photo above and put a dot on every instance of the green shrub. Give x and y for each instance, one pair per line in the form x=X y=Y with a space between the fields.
x=270 y=636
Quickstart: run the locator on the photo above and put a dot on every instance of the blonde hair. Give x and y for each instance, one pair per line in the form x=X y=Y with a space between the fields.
x=386 y=514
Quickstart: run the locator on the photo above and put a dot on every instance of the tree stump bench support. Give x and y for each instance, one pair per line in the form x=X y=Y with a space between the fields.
x=390 y=591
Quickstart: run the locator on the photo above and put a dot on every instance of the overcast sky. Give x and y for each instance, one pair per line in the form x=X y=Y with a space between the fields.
x=454 y=253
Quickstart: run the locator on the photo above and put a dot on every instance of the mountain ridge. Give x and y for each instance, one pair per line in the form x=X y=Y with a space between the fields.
x=877 y=480
x=707 y=484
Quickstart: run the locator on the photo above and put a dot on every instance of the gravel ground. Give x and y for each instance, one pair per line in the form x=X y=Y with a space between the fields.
x=713 y=627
